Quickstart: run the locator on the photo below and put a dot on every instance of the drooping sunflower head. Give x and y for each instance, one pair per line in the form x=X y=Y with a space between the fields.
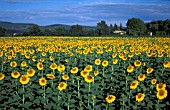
x=50 y=76
x=134 y=84
x=137 y=63
x=53 y=66
x=2 y=76
x=74 y=70
x=61 y=68
x=110 y=99
x=23 y=64
x=65 y=77
x=13 y=64
x=140 y=97
x=84 y=73
x=88 y=68
x=96 y=73
x=141 y=77
x=40 y=66
x=89 y=79
x=62 y=86
x=105 y=63
x=166 y=64
x=149 y=70
x=162 y=94
x=31 y=72
x=42 y=82
x=114 y=61
x=130 y=55
x=15 y=74
x=153 y=81
x=130 y=69
x=160 y=86
x=97 y=62
x=24 y=79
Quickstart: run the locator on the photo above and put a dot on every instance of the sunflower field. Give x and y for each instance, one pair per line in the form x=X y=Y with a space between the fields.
x=84 y=73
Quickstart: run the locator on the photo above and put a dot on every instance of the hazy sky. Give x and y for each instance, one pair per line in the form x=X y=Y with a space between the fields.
x=83 y=12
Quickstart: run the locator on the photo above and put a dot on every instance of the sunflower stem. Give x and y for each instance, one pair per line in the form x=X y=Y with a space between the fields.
x=106 y=106
x=78 y=88
x=89 y=95
x=68 y=106
x=23 y=97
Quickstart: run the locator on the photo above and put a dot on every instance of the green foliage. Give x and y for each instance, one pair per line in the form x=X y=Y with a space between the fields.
x=102 y=28
x=135 y=27
x=2 y=31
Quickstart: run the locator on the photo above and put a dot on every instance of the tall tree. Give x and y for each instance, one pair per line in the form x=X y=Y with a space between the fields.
x=2 y=31
x=35 y=30
x=60 y=31
x=135 y=27
x=115 y=27
x=102 y=28
x=76 y=30
x=121 y=26
x=111 y=29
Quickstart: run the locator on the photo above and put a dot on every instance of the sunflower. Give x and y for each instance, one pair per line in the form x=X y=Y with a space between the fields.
x=23 y=64
x=96 y=73
x=65 y=77
x=74 y=70
x=110 y=98
x=51 y=58
x=85 y=52
x=13 y=64
x=40 y=66
x=2 y=76
x=15 y=74
x=88 y=68
x=114 y=55
x=124 y=58
x=149 y=70
x=141 y=77
x=53 y=66
x=61 y=68
x=130 y=55
x=42 y=81
x=134 y=84
x=34 y=58
x=84 y=73
x=130 y=68
x=66 y=60
x=160 y=86
x=97 y=61
x=166 y=64
x=27 y=56
x=162 y=94
x=114 y=61
x=24 y=79
x=1 y=53
x=105 y=63
x=50 y=76
x=31 y=72
x=153 y=81
x=140 y=97
x=89 y=79
x=137 y=63
x=43 y=54
x=62 y=86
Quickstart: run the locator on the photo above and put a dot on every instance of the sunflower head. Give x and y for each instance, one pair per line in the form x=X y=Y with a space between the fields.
x=53 y=66
x=96 y=73
x=31 y=72
x=42 y=82
x=105 y=63
x=40 y=66
x=160 y=86
x=134 y=84
x=74 y=70
x=61 y=68
x=13 y=64
x=140 y=97
x=23 y=64
x=162 y=94
x=15 y=74
x=130 y=69
x=89 y=79
x=110 y=99
x=97 y=62
x=88 y=68
x=62 y=86
x=141 y=77
x=149 y=70
x=24 y=79
x=65 y=77
x=50 y=76
x=153 y=81
x=2 y=76
x=84 y=73
x=114 y=61
x=137 y=63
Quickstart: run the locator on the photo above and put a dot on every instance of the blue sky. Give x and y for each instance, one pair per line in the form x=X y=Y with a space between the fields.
x=83 y=12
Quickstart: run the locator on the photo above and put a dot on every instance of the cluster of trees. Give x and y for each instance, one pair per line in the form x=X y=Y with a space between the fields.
x=134 y=27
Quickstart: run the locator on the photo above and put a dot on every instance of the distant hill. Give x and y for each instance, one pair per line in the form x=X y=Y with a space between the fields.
x=23 y=27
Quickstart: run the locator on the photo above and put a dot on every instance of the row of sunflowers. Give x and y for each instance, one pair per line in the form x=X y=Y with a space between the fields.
x=84 y=73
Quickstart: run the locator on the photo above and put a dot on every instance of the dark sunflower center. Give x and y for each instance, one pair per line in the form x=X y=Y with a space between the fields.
x=24 y=78
x=160 y=86
x=133 y=84
x=43 y=81
x=141 y=76
x=139 y=96
x=89 y=78
x=15 y=73
x=161 y=93
x=61 y=85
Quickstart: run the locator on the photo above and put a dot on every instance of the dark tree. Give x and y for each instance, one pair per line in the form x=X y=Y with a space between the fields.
x=115 y=27
x=135 y=27
x=2 y=31
x=121 y=26
x=102 y=28
x=35 y=31
x=76 y=30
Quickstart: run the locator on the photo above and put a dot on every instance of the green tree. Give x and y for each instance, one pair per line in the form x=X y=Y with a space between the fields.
x=135 y=27
x=115 y=27
x=111 y=29
x=35 y=31
x=121 y=26
x=76 y=30
x=102 y=28
x=47 y=32
x=60 y=31
x=2 y=31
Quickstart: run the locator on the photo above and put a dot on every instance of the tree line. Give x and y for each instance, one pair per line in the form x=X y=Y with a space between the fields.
x=134 y=27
